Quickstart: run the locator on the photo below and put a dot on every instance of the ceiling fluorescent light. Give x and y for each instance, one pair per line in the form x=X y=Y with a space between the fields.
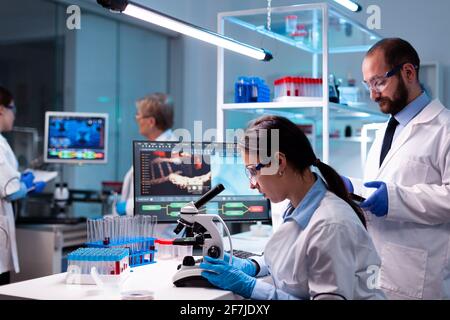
x=350 y=5
x=149 y=15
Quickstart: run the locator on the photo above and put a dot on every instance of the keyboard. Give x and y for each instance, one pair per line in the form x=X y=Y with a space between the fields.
x=244 y=254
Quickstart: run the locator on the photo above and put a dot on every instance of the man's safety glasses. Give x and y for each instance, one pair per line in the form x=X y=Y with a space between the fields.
x=379 y=83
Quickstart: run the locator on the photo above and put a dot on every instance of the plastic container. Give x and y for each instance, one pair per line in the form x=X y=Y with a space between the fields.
x=291 y=23
x=300 y=34
x=181 y=251
x=251 y=89
x=165 y=251
x=350 y=95
x=137 y=295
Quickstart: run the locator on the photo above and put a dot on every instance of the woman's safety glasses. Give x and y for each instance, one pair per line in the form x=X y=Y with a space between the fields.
x=252 y=171
x=12 y=107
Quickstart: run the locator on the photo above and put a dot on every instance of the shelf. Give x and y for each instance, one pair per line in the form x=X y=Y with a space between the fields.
x=350 y=139
x=308 y=109
x=344 y=35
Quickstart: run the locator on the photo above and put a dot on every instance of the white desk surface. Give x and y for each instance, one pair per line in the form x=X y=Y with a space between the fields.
x=155 y=277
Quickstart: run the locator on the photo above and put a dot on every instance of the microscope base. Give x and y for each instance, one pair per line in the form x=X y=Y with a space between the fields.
x=190 y=277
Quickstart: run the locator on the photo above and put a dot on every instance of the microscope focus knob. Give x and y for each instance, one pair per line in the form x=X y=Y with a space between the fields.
x=214 y=252
x=188 y=261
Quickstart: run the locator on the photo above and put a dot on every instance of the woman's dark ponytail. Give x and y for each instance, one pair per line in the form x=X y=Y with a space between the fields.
x=337 y=186
x=294 y=144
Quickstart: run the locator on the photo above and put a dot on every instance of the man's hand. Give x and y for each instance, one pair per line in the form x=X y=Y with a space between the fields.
x=377 y=203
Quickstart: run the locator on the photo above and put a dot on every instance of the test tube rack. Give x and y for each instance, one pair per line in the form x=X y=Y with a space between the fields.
x=141 y=250
x=111 y=266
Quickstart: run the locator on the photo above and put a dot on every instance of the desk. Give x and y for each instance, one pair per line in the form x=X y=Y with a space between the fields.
x=155 y=277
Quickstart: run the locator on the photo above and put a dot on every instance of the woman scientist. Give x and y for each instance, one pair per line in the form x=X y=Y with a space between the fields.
x=322 y=249
x=13 y=186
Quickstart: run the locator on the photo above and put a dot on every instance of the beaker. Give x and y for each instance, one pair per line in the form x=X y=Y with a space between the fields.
x=182 y=251
x=164 y=251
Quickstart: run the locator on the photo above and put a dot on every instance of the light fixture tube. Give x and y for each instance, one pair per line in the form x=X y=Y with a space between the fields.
x=350 y=5
x=174 y=24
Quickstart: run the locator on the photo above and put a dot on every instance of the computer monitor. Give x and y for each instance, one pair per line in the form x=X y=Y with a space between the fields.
x=75 y=137
x=167 y=175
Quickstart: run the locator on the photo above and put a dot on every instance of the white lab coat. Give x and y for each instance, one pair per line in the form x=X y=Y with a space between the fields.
x=413 y=240
x=333 y=254
x=127 y=193
x=9 y=183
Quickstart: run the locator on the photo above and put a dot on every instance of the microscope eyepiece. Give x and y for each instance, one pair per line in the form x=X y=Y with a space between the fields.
x=209 y=195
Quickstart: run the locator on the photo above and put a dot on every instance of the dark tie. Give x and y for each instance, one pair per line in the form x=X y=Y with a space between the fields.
x=388 y=136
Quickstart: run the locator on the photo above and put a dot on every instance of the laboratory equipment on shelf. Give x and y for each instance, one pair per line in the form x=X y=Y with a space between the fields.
x=300 y=34
x=291 y=23
x=134 y=233
x=350 y=95
x=107 y=264
x=61 y=197
x=205 y=233
x=297 y=87
x=251 y=89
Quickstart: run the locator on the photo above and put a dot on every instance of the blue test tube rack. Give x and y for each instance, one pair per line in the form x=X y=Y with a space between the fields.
x=141 y=250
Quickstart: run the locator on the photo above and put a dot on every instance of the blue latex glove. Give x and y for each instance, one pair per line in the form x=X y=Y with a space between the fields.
x=39 y=186
x=227 y=277
x=377 y=203
x=27 y=177
x=21 y=193
x=348 y=184
x=121 y=208
x=244 y=265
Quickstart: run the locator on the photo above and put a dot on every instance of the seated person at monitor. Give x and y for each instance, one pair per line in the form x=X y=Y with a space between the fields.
x=322 y=250
x=154 y=117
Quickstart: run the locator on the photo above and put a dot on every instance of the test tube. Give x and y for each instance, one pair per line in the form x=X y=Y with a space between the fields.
x=154 y=222
x=89 y=231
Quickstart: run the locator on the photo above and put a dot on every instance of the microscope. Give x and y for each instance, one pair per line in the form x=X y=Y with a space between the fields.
x=202 y=231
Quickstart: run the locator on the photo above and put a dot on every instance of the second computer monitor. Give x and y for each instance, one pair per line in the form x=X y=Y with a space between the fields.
x=76 y=137
x=167 y=175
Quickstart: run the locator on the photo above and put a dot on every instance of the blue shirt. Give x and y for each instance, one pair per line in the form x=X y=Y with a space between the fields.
x=309 y=204
x=410 y=111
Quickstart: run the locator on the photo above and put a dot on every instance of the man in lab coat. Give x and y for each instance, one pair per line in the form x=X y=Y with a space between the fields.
x=154 y=116
x=13 y=186
x=407 y=177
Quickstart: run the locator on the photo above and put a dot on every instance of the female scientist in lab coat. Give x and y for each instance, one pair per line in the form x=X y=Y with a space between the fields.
x=13 y=186
x=322 y=249
x=154 y=116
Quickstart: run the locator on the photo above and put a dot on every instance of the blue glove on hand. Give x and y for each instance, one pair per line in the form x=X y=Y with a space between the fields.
x=121 y=207
x=27 y=177
x=39 y=186
x=227 y=277
x=377 y=203
x=348 y=184
x=245 y=265
x=21 y=193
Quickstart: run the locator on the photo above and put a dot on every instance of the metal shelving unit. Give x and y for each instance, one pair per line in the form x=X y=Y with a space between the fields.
x=321 y=42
